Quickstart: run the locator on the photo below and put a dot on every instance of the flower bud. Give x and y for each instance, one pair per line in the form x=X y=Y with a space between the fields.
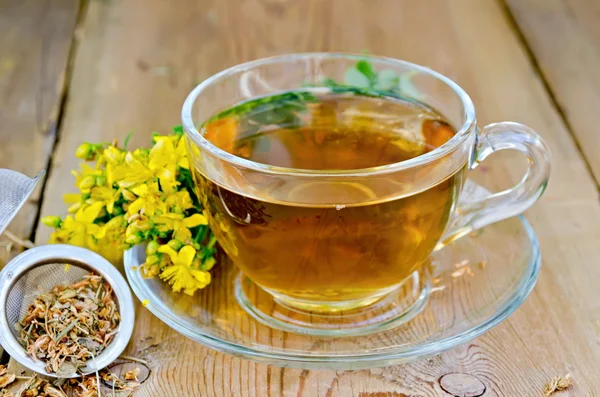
x=127 y=195
x=100 y=180
x=152 y=247
x=132 y=236
x=208 y=263
x=133 y=239
x=87 y=182
x=52 y=221
x=84 y=151
x=175 y=244
x=152 y=259
x=115 y=222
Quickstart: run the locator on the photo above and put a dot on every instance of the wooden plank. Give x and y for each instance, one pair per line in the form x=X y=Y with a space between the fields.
x=564 y=37
x=138 y=60
x=35 y=39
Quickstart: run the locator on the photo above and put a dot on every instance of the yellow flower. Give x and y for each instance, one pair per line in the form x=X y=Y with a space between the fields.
x=163 y=163
x=81 y=229
x=142 y=166
x=105 y=195
x=85 y=179
x=179 y=154
x=179 y=201
x=148 y=200
x=111 y=250
x=59 y=236
x=132 y=172
x=114 y=155
x=181 y=151
x=137 y=225
x=143 y=197
x=76 y=201
x=115 y=229
x=179 y=224
x=180 y=275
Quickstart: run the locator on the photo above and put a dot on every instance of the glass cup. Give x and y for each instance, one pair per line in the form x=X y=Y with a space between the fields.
x=313 y=251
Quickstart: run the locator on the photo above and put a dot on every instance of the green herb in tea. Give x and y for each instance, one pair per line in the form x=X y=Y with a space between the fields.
x=71 y=324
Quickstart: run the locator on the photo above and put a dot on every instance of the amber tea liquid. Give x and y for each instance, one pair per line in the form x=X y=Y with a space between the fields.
x=330 y=254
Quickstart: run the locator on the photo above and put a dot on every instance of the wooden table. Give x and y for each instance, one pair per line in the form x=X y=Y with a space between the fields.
x=95 y=70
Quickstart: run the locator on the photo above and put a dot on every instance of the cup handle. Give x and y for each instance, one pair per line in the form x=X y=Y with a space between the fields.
x=508 y=203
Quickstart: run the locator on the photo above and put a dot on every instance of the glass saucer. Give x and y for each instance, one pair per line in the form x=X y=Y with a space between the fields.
x=474 y=284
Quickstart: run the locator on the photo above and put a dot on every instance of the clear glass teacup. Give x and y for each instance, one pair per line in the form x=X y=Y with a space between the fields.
x=283 y=152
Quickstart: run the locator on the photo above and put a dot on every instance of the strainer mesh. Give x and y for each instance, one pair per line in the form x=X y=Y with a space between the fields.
x=14 y=189
x=36 y=281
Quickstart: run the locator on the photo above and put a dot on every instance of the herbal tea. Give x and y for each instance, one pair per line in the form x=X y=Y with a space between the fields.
x=329 y=253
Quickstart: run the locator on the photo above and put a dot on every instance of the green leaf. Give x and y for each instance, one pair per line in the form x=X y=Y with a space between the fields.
x=353 y=77
x=366 y=68
x=178 y=130
x=387 y=80
x=277 y=109
x=127 y=138
x=406 y=86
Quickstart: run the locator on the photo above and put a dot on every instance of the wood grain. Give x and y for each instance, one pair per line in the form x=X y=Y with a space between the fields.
x=564 y=37
x=138 y=60
x=35 y=39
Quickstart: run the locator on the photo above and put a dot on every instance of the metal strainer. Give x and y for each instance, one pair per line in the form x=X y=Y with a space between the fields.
x=15 y=188
x=38 y=270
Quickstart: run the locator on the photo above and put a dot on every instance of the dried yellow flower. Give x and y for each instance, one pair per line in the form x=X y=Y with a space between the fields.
x=6 y=380
x=132 y=375
x=558 y=383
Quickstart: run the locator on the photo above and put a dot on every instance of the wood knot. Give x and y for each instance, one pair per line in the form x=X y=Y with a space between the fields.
x=462 y=385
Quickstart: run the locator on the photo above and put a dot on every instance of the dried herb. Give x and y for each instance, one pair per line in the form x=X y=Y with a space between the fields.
x=71 y=324
x=124 y=386
x=33 y=388
x=132 y=375
x=557 y=384
x=5 y=378
x=88 y=386
x=37 y=387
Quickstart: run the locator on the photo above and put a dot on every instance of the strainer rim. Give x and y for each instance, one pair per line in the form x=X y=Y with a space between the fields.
x=60 y=253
